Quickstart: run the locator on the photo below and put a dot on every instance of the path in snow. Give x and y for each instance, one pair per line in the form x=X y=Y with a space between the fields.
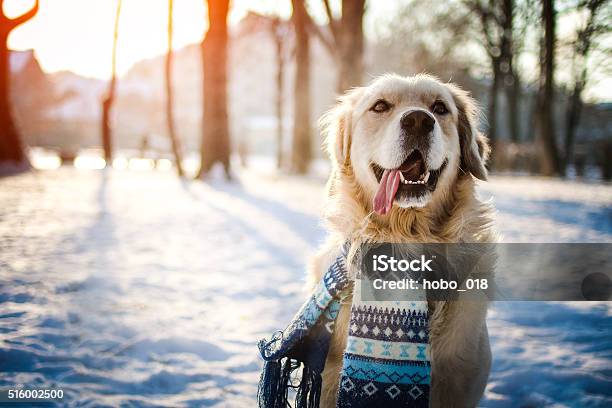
x=134 y=287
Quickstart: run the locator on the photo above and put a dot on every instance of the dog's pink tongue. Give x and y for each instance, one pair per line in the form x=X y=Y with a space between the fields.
x=383 y=200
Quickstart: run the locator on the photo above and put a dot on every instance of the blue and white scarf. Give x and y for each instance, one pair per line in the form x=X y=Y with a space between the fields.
x=386 y=360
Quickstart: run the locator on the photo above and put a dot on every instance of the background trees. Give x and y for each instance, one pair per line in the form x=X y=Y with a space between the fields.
x=344 y=40
x=346 y=44
x=549 y=159
x=536 y=81
x=176 y=146
x=279 y=33
x=11 y=148
x=109 y=98
x=586 y=41
x=496 y=23
x=215 y=146
x=301 y=151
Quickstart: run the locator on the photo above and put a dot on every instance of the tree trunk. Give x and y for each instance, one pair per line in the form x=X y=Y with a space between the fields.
x=301 y=153
x=513 y=95
x=11 y=148
x=572 y=116
x=547 y=145
x=107 y=104
x=582 y=47
x=280 y=68
x=215 y=146
x=351 y=45
x=109 y=99
x=176 y=147
x=511 y=79
x=492 y=110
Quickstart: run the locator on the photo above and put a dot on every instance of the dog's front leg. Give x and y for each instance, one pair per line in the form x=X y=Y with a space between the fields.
x=461 y=355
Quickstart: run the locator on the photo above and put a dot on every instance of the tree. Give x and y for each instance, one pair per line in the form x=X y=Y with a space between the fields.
x=109 y=98
x=277 y=30
x=301 y=152
x=11 y=148
x=581 y=50
x=215 y=127
x=512 y=84
x=347 y=41
x=450 y=23
x=548 y=153
x=176 y=147
x=497 y=26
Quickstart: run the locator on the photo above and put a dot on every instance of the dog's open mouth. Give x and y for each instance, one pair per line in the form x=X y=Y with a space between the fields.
x=411 y=179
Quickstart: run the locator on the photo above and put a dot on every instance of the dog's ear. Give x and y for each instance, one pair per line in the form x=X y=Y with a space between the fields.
x=336 y=125
x=474 y=145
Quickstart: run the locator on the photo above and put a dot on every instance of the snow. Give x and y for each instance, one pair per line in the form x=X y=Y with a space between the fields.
x=132 y=287
x=550 y=210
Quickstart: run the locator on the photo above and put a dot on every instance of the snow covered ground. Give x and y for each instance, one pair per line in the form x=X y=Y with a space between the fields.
x=132 y=288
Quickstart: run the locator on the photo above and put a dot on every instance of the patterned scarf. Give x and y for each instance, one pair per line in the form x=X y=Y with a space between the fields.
x=386 y=360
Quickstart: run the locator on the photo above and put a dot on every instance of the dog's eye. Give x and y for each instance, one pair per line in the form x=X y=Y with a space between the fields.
x=439 y=108
x=380 y=106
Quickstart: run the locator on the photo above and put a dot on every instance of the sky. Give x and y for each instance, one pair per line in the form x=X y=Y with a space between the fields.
x=76 y=35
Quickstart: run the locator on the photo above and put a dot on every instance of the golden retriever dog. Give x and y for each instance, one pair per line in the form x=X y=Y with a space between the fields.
x=405 y=154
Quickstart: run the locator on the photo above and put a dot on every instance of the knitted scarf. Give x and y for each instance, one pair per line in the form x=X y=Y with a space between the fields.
x=385 y=363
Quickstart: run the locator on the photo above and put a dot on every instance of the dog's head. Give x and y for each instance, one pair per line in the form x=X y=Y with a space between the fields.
x=406 y=140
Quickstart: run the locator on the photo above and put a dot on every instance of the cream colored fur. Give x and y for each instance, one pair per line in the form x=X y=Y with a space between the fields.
x=459 y=340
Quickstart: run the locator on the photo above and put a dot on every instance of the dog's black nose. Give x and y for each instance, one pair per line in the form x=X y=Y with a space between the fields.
x=418 y=123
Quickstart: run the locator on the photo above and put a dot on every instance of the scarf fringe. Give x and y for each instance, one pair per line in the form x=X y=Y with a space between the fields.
x=275 y=381
x=309 y=392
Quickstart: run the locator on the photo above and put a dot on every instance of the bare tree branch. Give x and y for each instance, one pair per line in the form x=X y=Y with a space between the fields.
x=24 y=17
x=485 y=16
x=333 y=25
x=329 y=43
